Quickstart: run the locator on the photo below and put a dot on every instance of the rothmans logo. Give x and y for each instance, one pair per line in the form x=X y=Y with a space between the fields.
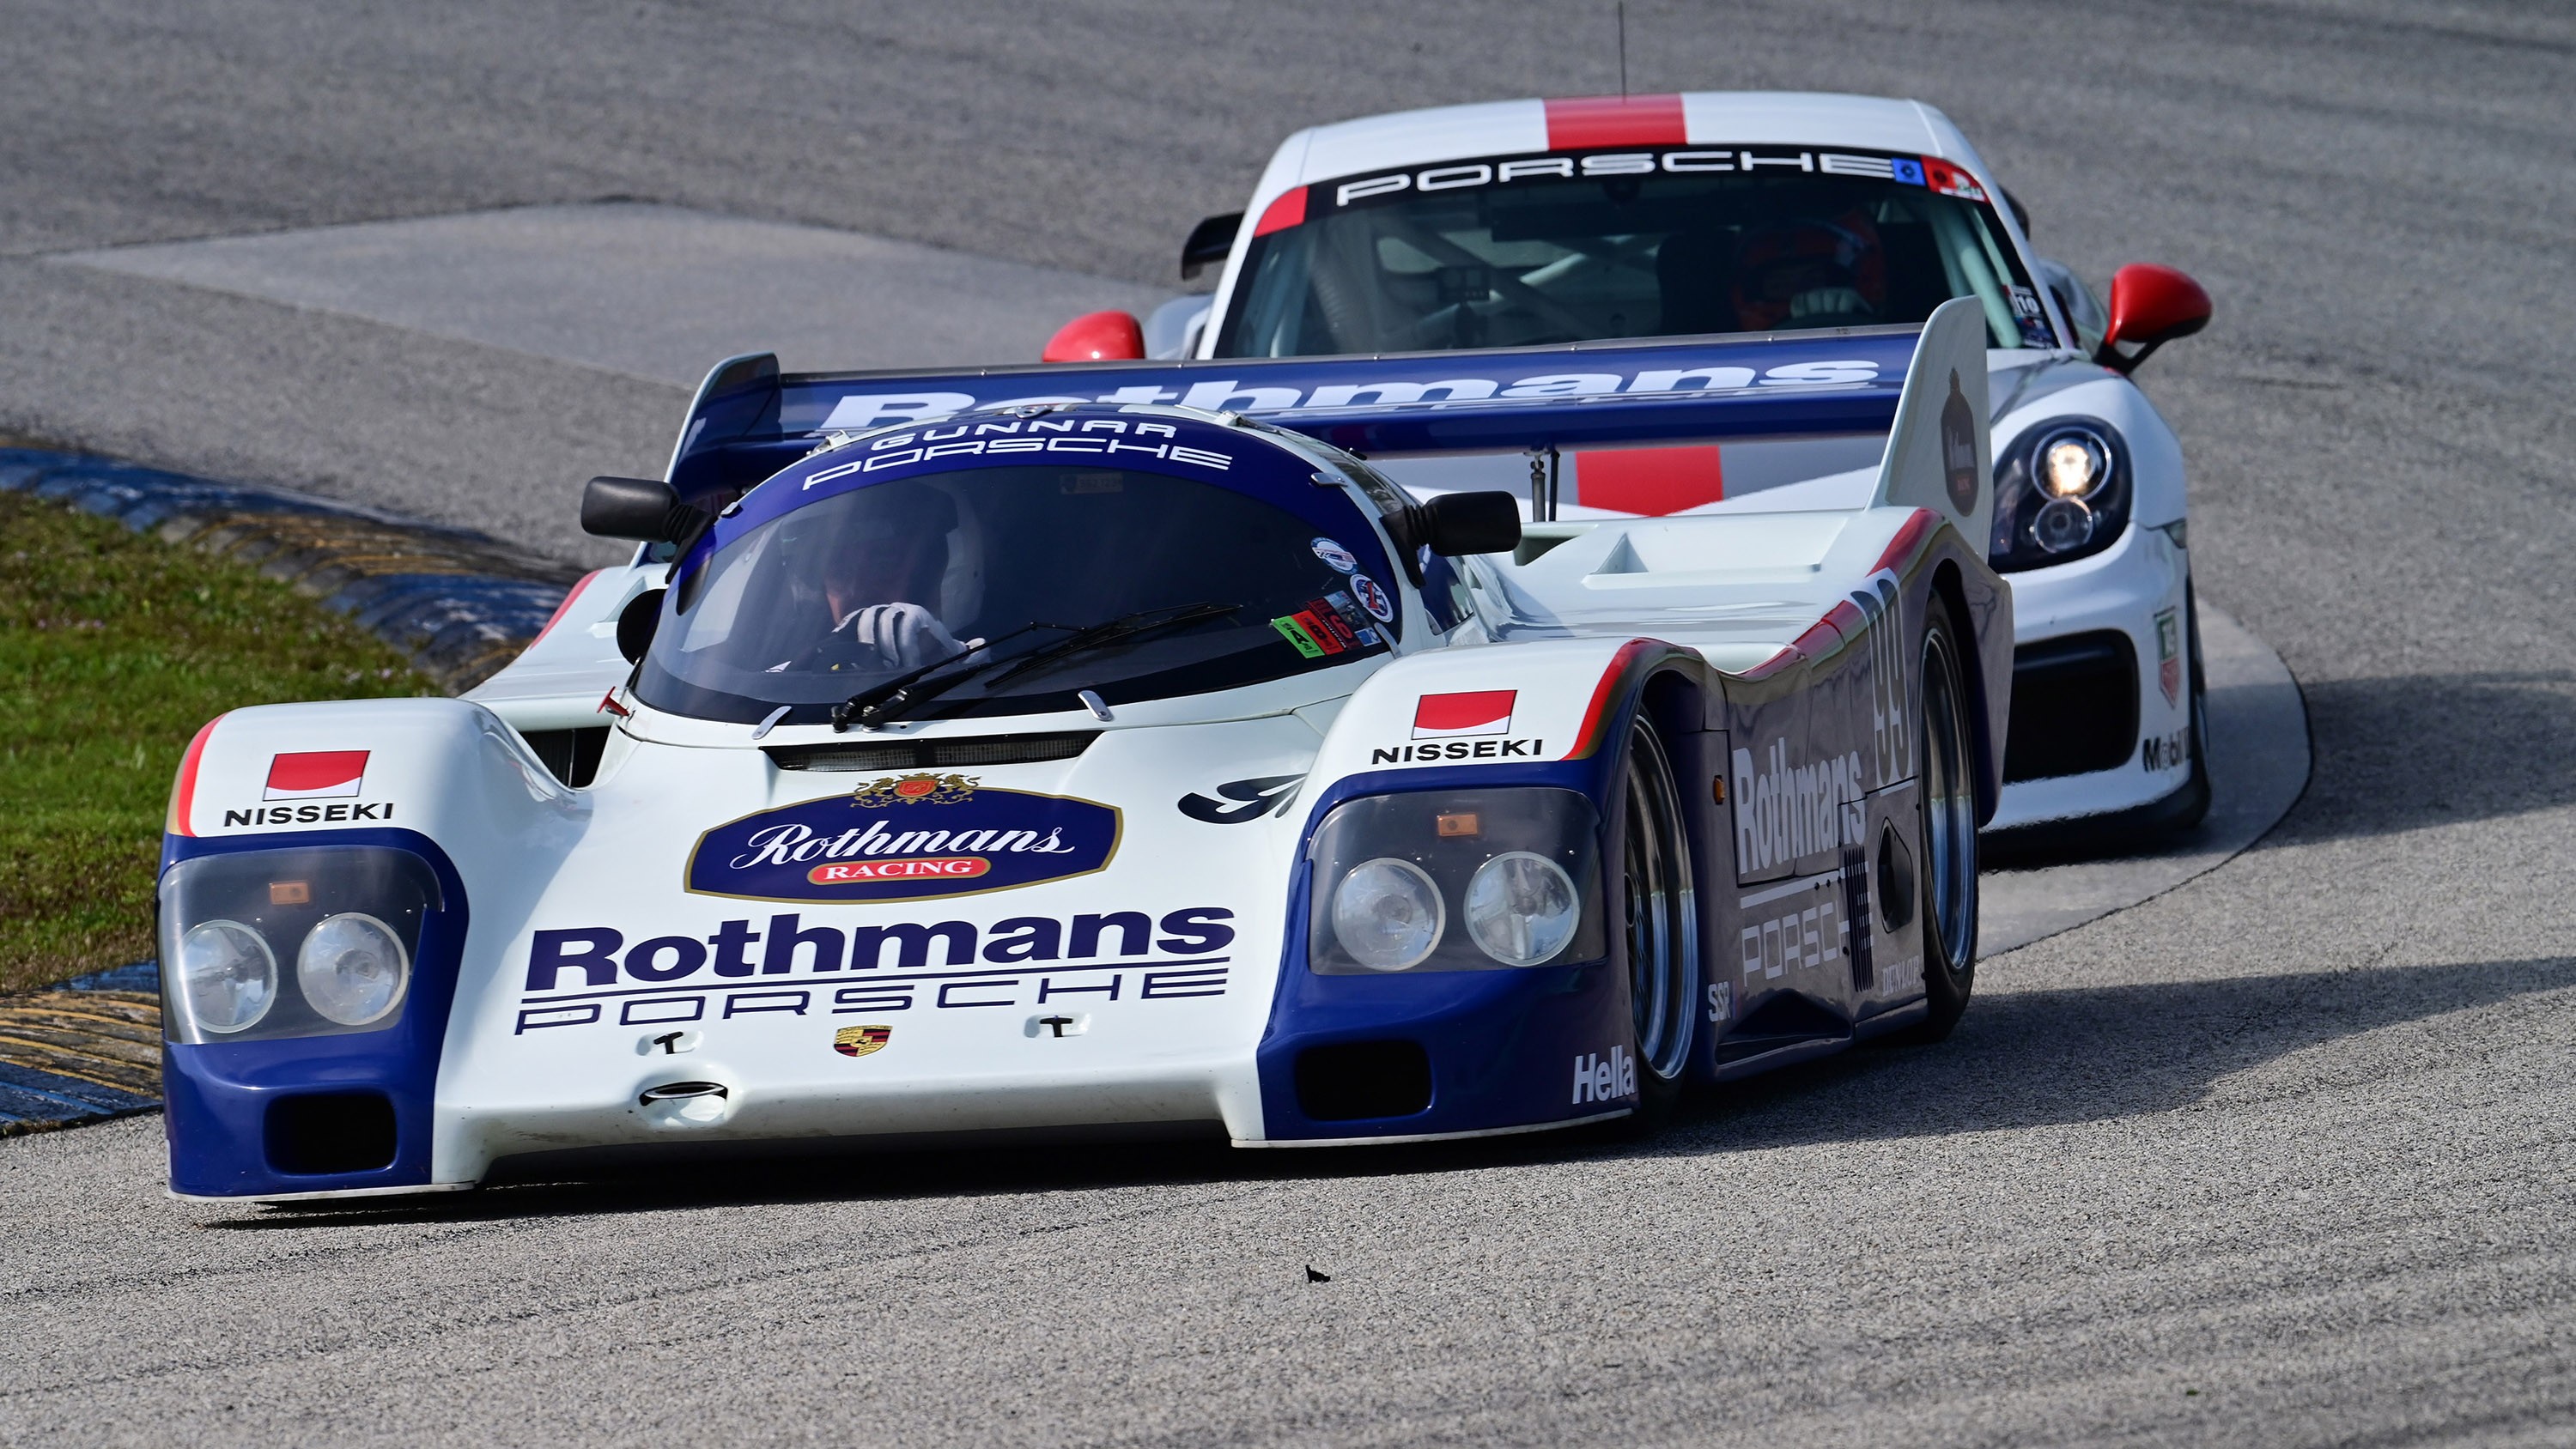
x=860 y=847
x=1785 y=811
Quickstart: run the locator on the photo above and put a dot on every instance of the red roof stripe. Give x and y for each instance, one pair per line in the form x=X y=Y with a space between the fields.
x=1908 y=541
x=1285 y=210
x=1586 y=122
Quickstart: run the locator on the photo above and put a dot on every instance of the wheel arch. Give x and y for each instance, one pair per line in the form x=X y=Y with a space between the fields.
x=1949 y=585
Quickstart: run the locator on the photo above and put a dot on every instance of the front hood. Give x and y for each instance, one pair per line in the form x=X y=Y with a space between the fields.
x=753 y=916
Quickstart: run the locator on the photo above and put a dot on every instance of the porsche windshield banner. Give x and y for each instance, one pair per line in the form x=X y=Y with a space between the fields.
x=904 y=838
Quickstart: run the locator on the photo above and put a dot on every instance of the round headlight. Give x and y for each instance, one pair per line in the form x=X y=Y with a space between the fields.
x=2073 y=464
x=228 y=975
x=2062 y=524
x=1521 y=908
x=352 y=968
x=1387 y=914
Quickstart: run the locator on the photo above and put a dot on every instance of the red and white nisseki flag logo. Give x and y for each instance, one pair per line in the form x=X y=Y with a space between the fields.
x=1484 y=712
x=316 y=775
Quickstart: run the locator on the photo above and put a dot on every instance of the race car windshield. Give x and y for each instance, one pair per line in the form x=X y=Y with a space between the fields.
x=869 y=585
x=1457 y=256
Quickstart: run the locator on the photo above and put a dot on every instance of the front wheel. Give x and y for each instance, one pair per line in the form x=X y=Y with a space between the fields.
x=1660 y=914
x=1948 y=831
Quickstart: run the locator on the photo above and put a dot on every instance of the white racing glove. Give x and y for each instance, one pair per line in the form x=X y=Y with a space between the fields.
x=904 y=636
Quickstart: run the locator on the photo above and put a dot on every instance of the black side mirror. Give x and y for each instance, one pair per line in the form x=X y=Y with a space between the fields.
x=1463 y=523
x=1209 y=241
x=636 y=623
x=639 y=508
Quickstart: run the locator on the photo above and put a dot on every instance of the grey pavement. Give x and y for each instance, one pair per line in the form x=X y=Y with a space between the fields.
x=2281 y=1156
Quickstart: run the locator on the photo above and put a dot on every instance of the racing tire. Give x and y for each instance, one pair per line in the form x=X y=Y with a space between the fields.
x=1946 y=836
x=2195 y=792
x=1659 y=924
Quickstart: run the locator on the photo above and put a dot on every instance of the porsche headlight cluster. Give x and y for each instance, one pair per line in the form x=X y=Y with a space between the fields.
x=1467 y=880
x=2061 y=493
x=348 y=918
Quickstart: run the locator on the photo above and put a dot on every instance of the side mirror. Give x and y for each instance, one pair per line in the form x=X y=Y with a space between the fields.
x=637 y=622
x=2150 y=306
x=1209 y=243
x=1097 y=337
x=645 y=509
x=1463 y=523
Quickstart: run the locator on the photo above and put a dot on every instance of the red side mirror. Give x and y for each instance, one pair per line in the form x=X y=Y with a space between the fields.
x=1102 y=337
x=2150 y=306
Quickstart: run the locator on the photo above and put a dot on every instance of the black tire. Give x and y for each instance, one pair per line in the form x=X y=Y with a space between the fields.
x=1946 y=829
x=2195 y=792
x=1658 y=924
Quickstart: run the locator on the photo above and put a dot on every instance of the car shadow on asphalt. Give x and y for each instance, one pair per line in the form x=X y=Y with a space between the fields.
x=2057 y=1055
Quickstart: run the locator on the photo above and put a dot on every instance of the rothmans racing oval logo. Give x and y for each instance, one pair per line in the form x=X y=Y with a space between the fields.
x=905 y=838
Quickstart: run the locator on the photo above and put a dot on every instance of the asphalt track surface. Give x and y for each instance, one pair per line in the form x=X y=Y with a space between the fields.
x=2280 y=1157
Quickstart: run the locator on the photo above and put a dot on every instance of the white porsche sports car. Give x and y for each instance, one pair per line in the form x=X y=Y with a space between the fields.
x=1069 y=761
x=1567 y=221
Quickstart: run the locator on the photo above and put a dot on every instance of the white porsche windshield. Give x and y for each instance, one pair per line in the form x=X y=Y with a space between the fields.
x=1131 y=584
x=1530 y=251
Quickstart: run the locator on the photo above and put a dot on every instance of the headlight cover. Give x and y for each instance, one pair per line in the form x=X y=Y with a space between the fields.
x=2061 y=493
x=1456 y=880
x=349 y=917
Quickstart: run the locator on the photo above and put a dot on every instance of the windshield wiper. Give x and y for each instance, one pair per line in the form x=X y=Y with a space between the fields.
x=874 y=706
x=865 y=704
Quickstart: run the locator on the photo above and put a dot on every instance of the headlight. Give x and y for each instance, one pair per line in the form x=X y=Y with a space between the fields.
x=1521 y=908
x=227 y=975
x=2061 y=493
x=1518 y=867
x=352 y=916
x=352 y=968
x=1388 y=914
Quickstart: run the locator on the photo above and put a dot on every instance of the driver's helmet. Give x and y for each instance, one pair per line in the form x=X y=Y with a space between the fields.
x=905 y=529
x=1811 y=272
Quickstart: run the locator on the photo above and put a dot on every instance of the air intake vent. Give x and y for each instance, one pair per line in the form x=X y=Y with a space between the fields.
x=939 y=754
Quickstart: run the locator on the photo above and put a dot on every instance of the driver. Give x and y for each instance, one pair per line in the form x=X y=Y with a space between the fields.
x=896 y=553
x=1811 y=273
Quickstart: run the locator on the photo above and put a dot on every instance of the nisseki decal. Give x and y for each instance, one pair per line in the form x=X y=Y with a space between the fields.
x=910 y=837
x=1483 y=712
x=316 y=775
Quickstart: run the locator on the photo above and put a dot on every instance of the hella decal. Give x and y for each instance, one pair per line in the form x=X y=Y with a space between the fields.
x=911 y=837
x=1604 y=1079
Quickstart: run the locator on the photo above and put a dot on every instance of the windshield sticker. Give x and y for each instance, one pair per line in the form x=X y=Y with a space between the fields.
x=965 y=440
x=1373 y=598
x=1336 y=557
x=860 y=847
x=1337 y=633
x=1290 y=630
x=1938 y=175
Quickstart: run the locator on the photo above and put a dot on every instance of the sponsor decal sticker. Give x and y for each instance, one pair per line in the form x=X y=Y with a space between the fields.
x=1949 y=180
x=1721 y=1001
x=2169 y=656
x=2169 y=751
x=1785 y=811
x=861 y=848
x=858 y=1041
x=1237 y=801
x=1959 y=447
x=1336 y=557
x=1604 y=1079
x=1480 y=712
x=316 y=775
x=1295 y=633
x=1373 y=598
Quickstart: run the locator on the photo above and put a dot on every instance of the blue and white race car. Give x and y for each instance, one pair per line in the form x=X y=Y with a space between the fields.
x=1048 y=764
x=1531 y=222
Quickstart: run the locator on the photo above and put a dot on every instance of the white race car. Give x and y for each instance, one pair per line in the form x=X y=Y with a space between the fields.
x=1551 y=222
x=1045 y=763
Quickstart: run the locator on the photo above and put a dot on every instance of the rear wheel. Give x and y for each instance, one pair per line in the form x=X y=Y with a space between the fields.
x=1661 y=917
x=1949 y=830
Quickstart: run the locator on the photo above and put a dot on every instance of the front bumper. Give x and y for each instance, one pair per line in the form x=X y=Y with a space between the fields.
x=2101 y=711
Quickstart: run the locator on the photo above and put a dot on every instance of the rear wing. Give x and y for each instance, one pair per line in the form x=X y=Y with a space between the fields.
x=750 y=419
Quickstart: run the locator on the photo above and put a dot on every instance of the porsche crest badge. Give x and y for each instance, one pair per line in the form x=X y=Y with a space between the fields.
x=922 y=789
x=858 y=1041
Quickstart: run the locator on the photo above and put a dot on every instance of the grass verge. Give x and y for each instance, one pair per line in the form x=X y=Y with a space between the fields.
x=114 y=648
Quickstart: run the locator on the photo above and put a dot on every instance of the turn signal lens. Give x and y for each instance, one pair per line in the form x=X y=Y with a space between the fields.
x=1521 y=908
x=1387 y=914
x=228 y=976
x=353 y=968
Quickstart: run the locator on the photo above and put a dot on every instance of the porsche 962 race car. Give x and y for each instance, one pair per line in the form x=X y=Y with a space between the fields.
x=1066 y=765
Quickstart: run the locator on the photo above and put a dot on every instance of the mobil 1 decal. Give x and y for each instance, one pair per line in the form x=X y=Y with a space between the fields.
x=904 y=838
